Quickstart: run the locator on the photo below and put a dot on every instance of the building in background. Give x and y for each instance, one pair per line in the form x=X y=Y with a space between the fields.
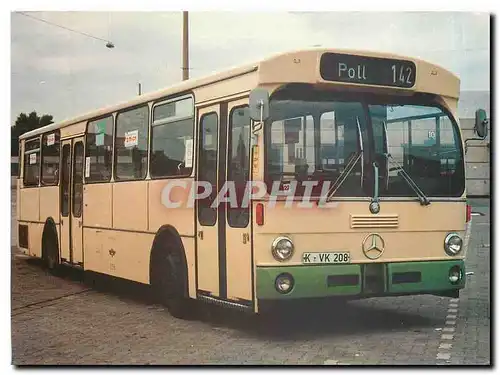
x=478 y=153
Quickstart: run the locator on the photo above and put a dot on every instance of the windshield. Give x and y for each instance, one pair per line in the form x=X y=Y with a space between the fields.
x=312 y=135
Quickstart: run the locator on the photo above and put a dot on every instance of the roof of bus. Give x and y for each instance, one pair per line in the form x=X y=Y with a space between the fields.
x=187 y=85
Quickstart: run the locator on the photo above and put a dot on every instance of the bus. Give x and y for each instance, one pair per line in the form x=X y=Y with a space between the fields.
x=313 y=174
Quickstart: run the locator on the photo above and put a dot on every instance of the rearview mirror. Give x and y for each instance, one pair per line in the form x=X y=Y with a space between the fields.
x=481 y=124
x=259 y=104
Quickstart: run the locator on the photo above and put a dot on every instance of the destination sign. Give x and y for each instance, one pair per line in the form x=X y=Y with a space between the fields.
x=367 y=70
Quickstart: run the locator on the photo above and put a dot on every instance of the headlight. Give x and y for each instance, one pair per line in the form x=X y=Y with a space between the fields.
x=282 y=248
x=284 y=283
x=452 y=244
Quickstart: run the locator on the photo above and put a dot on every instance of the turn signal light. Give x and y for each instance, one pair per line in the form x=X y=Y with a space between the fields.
x=259 y=213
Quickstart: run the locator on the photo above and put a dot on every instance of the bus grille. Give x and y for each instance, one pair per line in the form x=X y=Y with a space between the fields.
x=374 y=221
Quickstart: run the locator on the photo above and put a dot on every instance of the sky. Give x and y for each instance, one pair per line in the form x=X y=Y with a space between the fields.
x=65 y=74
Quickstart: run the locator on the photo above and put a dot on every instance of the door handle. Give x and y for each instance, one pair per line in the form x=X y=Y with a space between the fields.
x=200 y=234
x=246 y=237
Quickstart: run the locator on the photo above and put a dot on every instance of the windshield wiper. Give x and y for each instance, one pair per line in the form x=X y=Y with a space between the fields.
x=349 y=167
x=424 y=201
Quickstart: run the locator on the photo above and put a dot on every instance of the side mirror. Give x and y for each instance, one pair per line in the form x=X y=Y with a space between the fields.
x=259 y=105
x=481 y=124
x=480 y=127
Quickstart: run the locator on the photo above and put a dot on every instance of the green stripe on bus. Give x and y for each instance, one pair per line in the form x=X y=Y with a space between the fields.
x=346 y=279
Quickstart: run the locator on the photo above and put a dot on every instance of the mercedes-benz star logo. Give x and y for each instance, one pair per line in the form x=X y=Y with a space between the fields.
x=373 y=246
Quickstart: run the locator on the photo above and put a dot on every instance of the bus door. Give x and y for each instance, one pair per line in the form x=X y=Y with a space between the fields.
x=207 y=242
x=71 y=194
x=224 y=256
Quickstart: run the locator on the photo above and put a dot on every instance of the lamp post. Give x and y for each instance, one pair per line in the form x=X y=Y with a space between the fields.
x=185 y=46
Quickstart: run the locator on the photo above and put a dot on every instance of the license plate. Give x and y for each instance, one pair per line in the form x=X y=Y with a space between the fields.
x=326 y=258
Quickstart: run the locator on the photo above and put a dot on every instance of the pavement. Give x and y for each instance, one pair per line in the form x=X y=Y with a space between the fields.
x=63 y=320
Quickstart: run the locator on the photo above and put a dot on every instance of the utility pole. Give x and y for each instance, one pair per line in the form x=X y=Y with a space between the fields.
x=185 y=46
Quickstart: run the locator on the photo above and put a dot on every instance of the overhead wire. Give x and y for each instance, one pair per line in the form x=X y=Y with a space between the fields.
x=62 y=27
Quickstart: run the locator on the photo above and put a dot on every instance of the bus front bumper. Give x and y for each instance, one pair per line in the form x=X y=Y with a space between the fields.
x=362 y=280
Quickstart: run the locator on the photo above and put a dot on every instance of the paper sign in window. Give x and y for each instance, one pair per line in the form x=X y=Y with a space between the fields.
x=33 y=158
x=87 y=166
x=188 y=156
x=131 y=138
x=51 y=139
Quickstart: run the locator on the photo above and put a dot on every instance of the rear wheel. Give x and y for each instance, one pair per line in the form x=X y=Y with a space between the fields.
x=169 y=281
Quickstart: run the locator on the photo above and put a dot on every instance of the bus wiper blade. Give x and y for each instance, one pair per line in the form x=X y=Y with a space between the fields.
x=340 y=180
x=424 y=201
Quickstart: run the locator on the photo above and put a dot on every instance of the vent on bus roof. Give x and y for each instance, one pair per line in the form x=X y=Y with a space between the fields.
x=374 y=221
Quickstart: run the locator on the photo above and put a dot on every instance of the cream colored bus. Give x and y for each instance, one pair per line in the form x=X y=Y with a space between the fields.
x=347 y=168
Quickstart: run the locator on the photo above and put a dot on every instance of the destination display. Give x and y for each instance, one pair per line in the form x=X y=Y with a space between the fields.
x=367 y=70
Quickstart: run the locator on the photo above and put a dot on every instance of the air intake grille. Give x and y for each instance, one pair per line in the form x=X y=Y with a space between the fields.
x=374 y=221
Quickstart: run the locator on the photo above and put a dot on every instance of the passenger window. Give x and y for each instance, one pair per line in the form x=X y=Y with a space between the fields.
x=131 y=144
x=50 y=158
x=98 y=151
x=172 y=139
x=31 y=162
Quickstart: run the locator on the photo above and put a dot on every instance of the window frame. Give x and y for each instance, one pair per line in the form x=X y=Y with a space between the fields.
x=164 y=122
x=58 y=132
x=367 y=99
x=39 y=150
x=148 y=142
x=111 y=179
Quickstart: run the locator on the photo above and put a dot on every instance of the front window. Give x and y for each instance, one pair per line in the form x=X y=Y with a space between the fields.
x=312 y=140
x=424 y=141
x=312 y=135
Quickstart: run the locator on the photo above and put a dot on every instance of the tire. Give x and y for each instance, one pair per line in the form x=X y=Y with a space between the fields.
x=169 y=281
x=50 y=251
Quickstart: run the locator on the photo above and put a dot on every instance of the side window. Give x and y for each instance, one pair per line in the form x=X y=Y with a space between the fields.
x=131 y=144
x=50 y=158
x=238 y=163
x=172 y=139
x=207 y=166
x=31 y=162
x=98 y=151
